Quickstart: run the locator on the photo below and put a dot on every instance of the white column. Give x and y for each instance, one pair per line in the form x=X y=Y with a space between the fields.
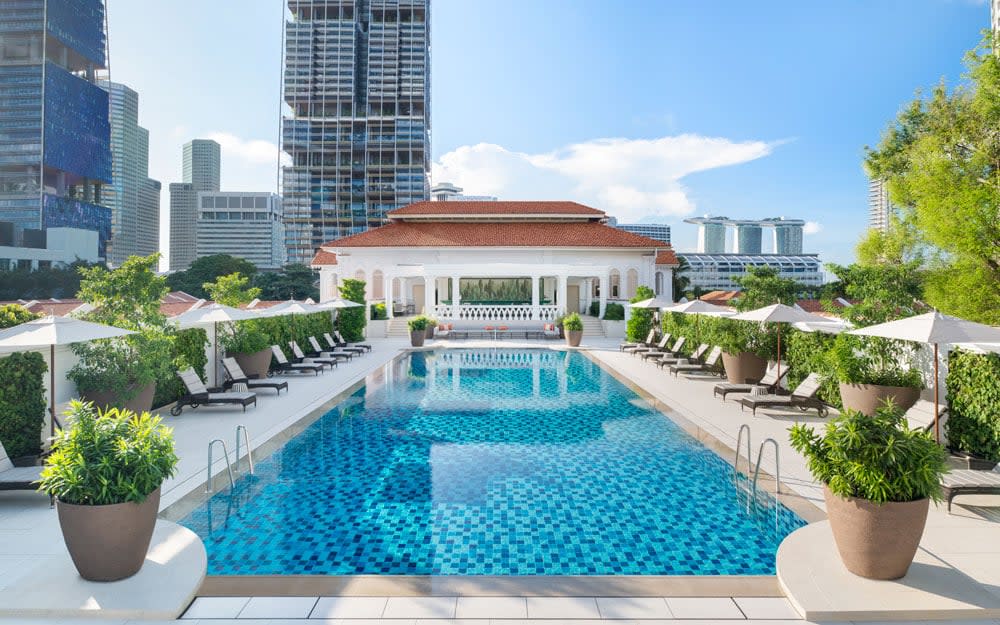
x=534 y=297
x=456 y=295
x=561 y=292
x=430 y=288
x=387 y=290
x=605 y=286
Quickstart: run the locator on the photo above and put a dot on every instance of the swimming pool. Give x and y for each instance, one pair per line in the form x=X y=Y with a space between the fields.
x=491 y=462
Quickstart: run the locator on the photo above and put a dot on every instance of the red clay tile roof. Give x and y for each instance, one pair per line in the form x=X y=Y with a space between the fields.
x=720 y=297
x=586 y=234
x=495 y=208
x=323 y=257
x=666 y=257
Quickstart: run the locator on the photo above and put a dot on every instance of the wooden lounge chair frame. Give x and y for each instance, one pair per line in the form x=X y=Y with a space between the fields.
x=286 y=366
x=199 y=395
x=329 y=353
x=641 y=349
x=17 y=478
x=343 y=347
x=711 y=364
x=300 y=357
x=970 y=482
x=803 y=398
x=235 y=375
x=674 y=356
x=769 y=381
x=344 y=344
x=649 y=342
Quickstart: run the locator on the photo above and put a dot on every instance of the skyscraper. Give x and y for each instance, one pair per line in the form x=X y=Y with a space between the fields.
x=202 y=166
x=357 y=84
x=56 y=154
x=134 y=199
x=879 y=206
x=995 y=23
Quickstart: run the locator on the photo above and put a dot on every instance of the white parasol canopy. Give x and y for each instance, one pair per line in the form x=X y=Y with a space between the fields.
x=291 y=307
x=700 y=307
x=653 y=302
x=779 y=313
x=214 y=314
x=337 y=303
x=54 y=331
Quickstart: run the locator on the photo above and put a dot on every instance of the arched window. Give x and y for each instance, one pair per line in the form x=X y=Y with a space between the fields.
x=658 y=283
x=615 y=284
x=378 y=285
x=631 y=283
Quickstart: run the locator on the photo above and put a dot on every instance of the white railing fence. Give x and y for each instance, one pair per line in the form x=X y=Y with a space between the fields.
x=496 y=312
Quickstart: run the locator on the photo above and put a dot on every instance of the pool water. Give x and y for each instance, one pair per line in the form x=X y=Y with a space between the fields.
x=491 y=462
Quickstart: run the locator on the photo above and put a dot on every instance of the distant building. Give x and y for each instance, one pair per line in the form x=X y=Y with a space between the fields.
x=659 y=232
x=995 y=21
x=55 y=153
x=134 y=198
x=718 y=272
x=57 y=247
x=446 y=191
x=202 y=166
x=748 y=235
x=879 y=206
x=245 y=225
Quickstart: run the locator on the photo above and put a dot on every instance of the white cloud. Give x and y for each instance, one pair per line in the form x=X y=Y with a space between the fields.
x=632 y=179
x=812 y=227
x=255 y=151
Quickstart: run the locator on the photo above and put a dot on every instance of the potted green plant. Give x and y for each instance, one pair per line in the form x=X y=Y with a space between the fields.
x=558 y=322
x=573 y=326
x=879 y=477
x=105 y=473
x=870 y=371
x=742 y=343
x=418 y=330
x=431 y=325
x=122 y=372
x=248 y=344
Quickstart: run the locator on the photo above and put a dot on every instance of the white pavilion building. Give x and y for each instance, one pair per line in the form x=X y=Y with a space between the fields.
x=516 y=261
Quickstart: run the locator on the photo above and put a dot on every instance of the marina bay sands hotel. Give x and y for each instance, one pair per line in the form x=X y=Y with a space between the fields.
x=748 y=235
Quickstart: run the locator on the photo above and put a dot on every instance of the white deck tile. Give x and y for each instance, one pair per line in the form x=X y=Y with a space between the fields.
x=633 y=607
x=766 y=608
x=563 y=607
x=216 y=607
x=349 y=607
x=703 y=608
x=492 y=607
x=420 y=607
x=278 y=607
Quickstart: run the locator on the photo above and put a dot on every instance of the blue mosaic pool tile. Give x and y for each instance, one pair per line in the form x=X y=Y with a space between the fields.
x=492 y=462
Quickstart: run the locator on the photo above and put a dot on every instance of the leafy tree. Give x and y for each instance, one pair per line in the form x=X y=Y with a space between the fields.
x=763 y=286
x=14 y=315
x=294 y=281
x=208 y=269
x=351 y=321
x=59 y=282
x=899 y=244
x=941 y=161
x=641 y=320
x=232 y=290
x=680 y=282
x=240 y=337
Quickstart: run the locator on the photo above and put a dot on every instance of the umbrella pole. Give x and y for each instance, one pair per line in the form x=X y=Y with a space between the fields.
x=937 y=420
x=52 y=389
x=779 y=357
x=215 y=362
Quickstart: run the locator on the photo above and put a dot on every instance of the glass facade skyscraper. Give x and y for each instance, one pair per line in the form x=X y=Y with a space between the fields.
x=55 y=153
x=202 y=169
x=357 y=127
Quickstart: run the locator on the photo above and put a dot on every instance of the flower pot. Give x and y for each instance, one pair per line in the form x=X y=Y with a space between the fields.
x=254 y=364
x=108 y=543
x=140 y=403
x=876 y=541
x=573 y=337
x=867 y=398
x=417 y=337
x=430 y=332
x=744 y=368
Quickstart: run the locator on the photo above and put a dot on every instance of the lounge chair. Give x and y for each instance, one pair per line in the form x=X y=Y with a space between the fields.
x=662 y=350
x=17 y=478
x=199 y=395
x=236 y=376
x=344 y=344
x=769 y=381
x=300 y=357
x=803 y=398
x=712 y=364
x=329 y=353
x=970 y=482
x=649 y=342
x=285 y=366
x=673 y=356
x=550 y=331
x=642 y=349
x=920 y=416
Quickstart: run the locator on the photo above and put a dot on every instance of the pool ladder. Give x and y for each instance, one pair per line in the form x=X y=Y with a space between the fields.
x=750 y=465
x=225 y=452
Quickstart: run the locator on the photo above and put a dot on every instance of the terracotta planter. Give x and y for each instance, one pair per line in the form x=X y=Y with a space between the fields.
x=108 y=543
x=573 y=337
x=417 y=337
x=142 y=402
x=430 y=331
x=254 y=364
x=866 y=398
x=876 y=542
x=744 y=368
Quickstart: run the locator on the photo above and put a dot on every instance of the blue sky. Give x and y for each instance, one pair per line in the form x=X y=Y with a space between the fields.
x=650 y=109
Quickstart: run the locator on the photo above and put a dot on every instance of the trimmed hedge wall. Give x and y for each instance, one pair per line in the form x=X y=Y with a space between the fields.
x=614 y=312
x=281 y=330
x=973 y=424
x=808 y=352
x=188 y=351
x=22 y=403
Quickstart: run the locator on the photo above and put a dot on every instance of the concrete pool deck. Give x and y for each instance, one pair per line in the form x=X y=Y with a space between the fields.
x=966 y=543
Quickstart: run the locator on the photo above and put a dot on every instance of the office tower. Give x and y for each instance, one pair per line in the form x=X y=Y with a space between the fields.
x=202 y=166
x=711 y=234
x=243 y=224
x=995 y=23
x=788 y=237
x=55 y=155
x=659 y=232
x=879 y=206
x=357 y=86
x=135 y=211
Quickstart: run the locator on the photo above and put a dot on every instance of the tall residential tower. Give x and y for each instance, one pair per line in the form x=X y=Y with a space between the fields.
x=357 y=123
x=879 y=206
x=202 y=170
x=55 y=155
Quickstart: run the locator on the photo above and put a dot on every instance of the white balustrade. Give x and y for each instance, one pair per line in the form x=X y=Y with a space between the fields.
x=494 y=312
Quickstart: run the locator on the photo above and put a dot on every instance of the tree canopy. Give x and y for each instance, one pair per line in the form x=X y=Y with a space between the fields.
x=59 y=282
x=232 y=290
x=763 y=286
x=292 y=282
x=208 y=269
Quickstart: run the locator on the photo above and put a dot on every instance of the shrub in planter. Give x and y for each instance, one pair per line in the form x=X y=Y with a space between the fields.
x=351 y=321
x=573 y=327
x=431 y=325
x=378 y=311
x=871 y=369
x=808 y=352
x=418 y=330
x=973 y=424
x=22 y=403
x=879 y=476
x=105 y=472
x=188 y=351
x=614 y=312
x=641 y=320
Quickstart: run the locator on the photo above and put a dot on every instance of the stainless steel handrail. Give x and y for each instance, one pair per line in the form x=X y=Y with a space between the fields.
x=246 y=439
x=777 y=468
x=208 y=469
x=736 y=461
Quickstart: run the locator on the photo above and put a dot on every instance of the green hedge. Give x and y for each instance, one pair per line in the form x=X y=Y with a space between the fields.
x=22 y=403
x=351 y=321
x=280 y=330
x=808 y=352
x=595 y=309
x=188 y=351
x=614 y=312
x=973 y=383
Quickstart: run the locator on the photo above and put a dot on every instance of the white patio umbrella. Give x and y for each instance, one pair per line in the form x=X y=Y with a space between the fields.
x=933 y=328
x=291 y=307
x=698 y=308
x=653 y=302
x=337 y=303
x=54 y=331
x=214 y=314
x=779 y=313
